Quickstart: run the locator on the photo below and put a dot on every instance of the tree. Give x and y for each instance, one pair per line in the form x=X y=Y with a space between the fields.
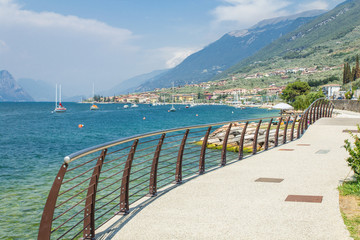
x=304 y=101
x=348 y=73
x=301 y=102
x=357 y=68
x=315 y=95
x=353 y=74
x=344 y=74
x=295 y=89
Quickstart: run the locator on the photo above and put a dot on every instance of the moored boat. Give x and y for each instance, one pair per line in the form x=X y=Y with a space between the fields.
x=59 y=108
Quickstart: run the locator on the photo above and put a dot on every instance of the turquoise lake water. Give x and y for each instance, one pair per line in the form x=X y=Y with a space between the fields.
x=34 y=142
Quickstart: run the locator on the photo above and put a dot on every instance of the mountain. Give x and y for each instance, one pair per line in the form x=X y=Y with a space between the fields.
x=131 y=84
x=306 y=40
x=39 y=90
x=229 y=50
x=10 y=90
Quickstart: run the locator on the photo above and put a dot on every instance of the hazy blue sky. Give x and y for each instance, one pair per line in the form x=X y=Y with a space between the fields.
x=78 y=42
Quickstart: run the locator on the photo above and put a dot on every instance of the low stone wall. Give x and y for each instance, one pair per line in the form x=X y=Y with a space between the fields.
x=349 y=105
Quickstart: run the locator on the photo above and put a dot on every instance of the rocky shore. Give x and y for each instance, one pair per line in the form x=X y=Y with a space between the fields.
x=216 y=138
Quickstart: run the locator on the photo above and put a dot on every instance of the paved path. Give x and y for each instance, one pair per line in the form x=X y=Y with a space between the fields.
x=228 y=204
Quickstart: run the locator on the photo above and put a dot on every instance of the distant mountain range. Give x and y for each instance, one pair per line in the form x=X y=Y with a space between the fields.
x=303 y=42
x=131 y=84
x=233 y=47
x=10 y=90
x=39 y=90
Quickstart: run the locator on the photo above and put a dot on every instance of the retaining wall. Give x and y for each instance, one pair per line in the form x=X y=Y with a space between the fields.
x=349 y=105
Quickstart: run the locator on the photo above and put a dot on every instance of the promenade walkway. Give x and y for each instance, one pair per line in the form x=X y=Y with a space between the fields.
x=228 y=203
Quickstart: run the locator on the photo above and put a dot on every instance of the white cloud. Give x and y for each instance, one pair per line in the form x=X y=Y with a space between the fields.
x=322 y=5
x=66 y=49
x=11 y=14
x=177 y=55
x=246 y=13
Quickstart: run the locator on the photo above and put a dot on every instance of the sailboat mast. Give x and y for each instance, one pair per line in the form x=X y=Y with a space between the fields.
x=60 y=93
x=172 y=98
x=93 y=92
x=55 y=95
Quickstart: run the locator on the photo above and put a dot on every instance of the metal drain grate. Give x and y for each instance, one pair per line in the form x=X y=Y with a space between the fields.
x=323 y=151
x=270 y=180
x=304 y=198
x=352 y=131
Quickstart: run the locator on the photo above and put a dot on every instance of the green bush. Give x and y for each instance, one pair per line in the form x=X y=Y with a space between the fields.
x=348 y=95
x=354 y=152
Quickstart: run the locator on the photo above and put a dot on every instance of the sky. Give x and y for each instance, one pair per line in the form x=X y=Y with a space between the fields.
x=80 y=42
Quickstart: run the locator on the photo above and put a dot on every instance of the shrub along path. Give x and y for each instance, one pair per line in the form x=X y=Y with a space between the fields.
x=232 y=203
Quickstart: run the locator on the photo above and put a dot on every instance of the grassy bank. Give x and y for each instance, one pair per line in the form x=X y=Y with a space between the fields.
x=349 y=201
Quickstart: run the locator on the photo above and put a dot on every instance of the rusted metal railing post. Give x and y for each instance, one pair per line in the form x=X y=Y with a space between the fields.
x=322 y=112
x=242 y=139
x=89 y=214
x=154 y=167
x=285 y=129
x=49 y=209
x=309 y=114
x=326 y=114
x=292 y=128
x=322 y=109
x=308 y=117
x=332 y=109
x=124 y=193
x=329 y=109
x=178 y=173
x=203 y=151
x=314 y=112
x=266 y=145
x=299 y=125
x=224 y=146
x=277 y=133
x=254 y=150
x=318 y=113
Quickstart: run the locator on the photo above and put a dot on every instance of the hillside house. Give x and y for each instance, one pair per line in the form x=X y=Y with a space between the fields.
x=184 y=97
x=331 y=90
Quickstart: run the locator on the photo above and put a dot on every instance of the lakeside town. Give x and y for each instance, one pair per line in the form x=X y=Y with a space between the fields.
x=229 y=96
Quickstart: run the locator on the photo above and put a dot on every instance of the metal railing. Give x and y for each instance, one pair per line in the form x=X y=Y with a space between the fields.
x=94 y=184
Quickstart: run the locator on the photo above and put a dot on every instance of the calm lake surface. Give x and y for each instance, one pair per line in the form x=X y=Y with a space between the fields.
x=34 y=142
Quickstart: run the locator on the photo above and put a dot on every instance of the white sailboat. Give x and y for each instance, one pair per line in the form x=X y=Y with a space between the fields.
x=134 y=105
x=94 y=106
x=59 y=108
x=172 y=109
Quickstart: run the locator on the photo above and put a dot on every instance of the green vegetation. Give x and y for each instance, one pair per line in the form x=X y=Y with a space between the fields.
x=294 y=90
x=354 y=151
x=352 y=225
x=317 y=83
x=299 y=95
x=352 y=188
x=351 y=75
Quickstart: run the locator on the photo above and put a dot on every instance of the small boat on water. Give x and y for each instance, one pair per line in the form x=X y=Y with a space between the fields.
x=59 y=108
x=172 y=109
x=126 y=106
x=134 y=105
x=94 y=107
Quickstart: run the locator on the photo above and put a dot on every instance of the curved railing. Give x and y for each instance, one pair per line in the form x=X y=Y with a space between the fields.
x=94 y=184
